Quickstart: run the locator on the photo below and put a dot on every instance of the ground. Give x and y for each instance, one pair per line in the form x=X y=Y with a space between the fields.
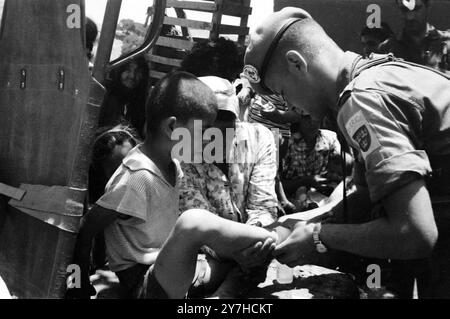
x=310 y=282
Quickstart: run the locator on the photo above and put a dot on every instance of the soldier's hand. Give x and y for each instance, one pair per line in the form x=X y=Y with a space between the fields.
x=255 y=255
x=298 y=248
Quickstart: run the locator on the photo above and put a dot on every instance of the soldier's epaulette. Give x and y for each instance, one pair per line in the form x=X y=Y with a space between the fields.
x=344 y=97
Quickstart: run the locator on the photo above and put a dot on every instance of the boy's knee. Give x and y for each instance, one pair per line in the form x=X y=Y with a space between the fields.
x=195 y=223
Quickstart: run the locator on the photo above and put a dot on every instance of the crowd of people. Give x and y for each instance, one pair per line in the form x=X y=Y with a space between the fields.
x=305 y=117
x=419 y=42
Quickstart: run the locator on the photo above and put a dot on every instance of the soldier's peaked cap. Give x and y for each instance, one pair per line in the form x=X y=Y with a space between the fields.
x=263 y=42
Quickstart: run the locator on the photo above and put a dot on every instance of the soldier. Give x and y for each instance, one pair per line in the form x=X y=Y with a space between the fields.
x=395 y=115
x=420 y=42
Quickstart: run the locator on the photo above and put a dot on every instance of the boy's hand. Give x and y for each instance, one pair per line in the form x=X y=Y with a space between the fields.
x=256 y=255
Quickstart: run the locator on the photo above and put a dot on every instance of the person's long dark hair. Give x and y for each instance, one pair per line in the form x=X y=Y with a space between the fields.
x=115 y=82
x=134 y=98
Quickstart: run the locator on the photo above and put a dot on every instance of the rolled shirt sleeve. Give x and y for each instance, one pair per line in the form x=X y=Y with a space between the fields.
x=127 y=195
x=385 y=131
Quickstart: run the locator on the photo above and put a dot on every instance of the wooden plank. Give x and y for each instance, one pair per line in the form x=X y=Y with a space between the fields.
x=244 y=22
x=192 y=5
x=200 y=40
x=194 y=24
x=181 y=14
x=175 y=43
x=156 y=74
x=237 y=10
x=164 y=60
x=11 y=192
x=233 y=29
x=216 y=20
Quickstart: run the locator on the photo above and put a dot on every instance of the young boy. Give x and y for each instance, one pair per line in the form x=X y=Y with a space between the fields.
x=140 y=204
x=140 y=207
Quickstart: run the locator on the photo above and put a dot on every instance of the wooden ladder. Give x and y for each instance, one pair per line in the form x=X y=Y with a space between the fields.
x=170 y=50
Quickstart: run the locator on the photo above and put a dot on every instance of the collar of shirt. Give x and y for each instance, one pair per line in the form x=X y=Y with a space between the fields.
x=346 y=68
x=136 y=160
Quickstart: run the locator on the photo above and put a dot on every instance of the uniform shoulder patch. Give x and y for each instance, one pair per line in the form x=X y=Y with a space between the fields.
x=360 y=131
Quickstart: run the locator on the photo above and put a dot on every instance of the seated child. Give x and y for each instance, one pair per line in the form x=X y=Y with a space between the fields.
x=111 y=146
x=140 y=207
x=312 y=151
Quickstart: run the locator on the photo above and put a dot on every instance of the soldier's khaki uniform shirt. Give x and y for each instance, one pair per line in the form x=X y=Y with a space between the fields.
x=397 y=117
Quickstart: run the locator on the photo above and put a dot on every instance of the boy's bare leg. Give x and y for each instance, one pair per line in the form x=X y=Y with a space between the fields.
x=175 y=266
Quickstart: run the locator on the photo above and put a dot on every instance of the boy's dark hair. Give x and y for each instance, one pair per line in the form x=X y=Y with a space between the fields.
x=222 y=58
x=106 y=139
x=182 y=95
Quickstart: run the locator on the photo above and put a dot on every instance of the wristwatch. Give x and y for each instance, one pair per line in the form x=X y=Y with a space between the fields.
x=320 y=247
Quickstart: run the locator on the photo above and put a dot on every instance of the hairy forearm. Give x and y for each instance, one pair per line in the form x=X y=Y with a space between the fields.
x=407 y=231
x=377 y=239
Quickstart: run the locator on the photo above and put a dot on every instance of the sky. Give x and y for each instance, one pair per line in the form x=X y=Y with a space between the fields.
x=136 y=10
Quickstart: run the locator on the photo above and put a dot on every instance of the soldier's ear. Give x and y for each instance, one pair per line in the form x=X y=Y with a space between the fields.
x=296 y=62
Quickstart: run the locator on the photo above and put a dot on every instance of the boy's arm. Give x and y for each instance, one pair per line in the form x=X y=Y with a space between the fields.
x=95 y=221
